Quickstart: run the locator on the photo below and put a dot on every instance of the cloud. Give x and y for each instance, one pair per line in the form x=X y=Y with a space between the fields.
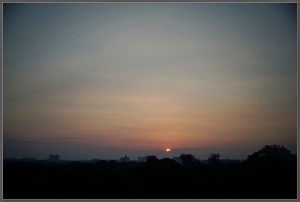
x=62 y=137
x=26 y=142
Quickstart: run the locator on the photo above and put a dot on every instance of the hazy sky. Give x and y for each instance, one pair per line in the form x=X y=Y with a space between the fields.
x=104 y=80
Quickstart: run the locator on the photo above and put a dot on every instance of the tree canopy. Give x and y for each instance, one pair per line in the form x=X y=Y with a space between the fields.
x=214 y=158
x=187 y=159
x=151 y=159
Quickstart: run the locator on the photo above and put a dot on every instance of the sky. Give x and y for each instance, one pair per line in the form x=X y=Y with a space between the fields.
x=105 y=80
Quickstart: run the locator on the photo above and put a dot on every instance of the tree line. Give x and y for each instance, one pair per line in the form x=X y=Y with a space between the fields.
x=256 y=178
x=189 y=159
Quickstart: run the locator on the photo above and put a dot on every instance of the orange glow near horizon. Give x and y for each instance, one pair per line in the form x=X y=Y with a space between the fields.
x=168 y=150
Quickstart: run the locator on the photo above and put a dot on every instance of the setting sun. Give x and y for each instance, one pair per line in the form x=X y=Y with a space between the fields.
x=168 y=150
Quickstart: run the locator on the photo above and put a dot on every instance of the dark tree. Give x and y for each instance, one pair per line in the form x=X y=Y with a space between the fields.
x=151 y=159
x=167 y=161
x=187 y=159
x=253 y=158
x=100 y=162
x=214 y=158
x=112 y=163
x=198 y=162
x=76 y=163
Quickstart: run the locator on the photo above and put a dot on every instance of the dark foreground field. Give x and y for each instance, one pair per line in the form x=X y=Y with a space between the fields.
x=164 y=179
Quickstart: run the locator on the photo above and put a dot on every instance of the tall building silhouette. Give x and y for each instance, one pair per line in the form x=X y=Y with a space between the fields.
x=54 y=158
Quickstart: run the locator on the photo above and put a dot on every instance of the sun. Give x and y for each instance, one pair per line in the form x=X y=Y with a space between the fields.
x=168 y=150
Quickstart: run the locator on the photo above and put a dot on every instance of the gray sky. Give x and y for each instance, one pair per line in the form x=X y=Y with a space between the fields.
x=104 y=80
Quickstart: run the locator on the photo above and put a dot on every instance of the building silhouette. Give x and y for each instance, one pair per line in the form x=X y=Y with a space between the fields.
x=205 y=161
x=53 y=158
x=142 y=159
x=124 y=159
x=230 y=161
x=28 y=159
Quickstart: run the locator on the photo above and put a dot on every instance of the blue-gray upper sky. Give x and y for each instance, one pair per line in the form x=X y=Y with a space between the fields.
x=104 y=80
